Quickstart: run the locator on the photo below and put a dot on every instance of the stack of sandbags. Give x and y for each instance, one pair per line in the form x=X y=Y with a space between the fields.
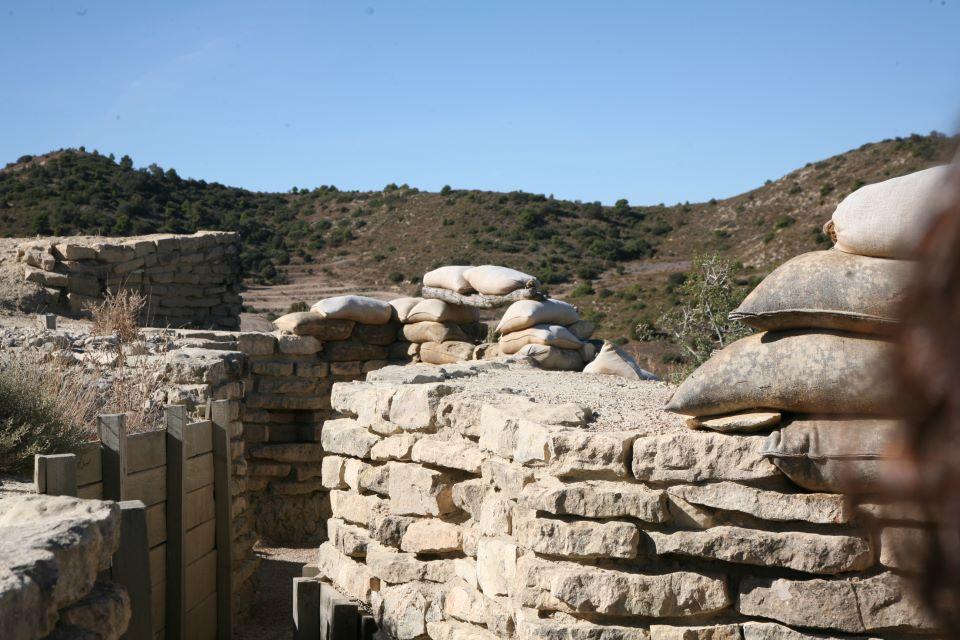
x=549 y=331
x=486 y=287
x=439 y=332
x=351 y=328
x=820 y=369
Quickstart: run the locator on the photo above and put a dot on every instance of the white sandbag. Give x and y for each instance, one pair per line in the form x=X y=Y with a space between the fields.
x=829 y=290
x=446 y=352
x=307 y=323
x=803 y=371
x=440 y=311
x=420 y=332
x=449 y=277
x=403 y=306
x=614 y=361
x=526 y=313
x=836 y=455
x=549 y=334
x=583 y=329
x=357 y=308
x=887 y=219
x=553 y=358
x=492 y=280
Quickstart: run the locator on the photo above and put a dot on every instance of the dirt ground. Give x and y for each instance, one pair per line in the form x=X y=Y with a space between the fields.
x=270 y=617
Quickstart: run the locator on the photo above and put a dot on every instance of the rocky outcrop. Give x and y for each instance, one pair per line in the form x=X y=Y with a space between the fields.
x=51 y=552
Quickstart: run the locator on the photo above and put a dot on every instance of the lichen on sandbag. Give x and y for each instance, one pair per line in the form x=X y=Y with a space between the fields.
x=833 y=454
x=802 y=371
x=828 y=290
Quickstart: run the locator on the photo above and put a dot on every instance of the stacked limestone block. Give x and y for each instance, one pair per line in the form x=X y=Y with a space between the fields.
x=52 y=550
x=493 y=500
x=189 y=280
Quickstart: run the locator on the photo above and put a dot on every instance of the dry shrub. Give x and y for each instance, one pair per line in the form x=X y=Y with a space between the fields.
x=48 y=405
x=119 y=314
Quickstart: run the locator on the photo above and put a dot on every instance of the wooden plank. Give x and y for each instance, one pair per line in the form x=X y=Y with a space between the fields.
x=306 y=609
x=91 y=491
x=157 y=524
x=89 y=464
x=55 y=475
x=339 y=618
x=146 y=451
x=220 y=419
x=199 y=472
x=202 y=620
x=201 y=579
x=175 y=418
x=199 y=541
x=150 y=486
x=158 y=564
x=113 y=436
x=199 y=436
x=159 y=611
x=199 y=507
x=131 y=568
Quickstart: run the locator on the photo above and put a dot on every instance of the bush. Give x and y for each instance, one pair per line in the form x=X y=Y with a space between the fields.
x=118 y=314
x=699 y=324
x=395 y=276
x=582 y=289
x=298 y=307
x=41 y=411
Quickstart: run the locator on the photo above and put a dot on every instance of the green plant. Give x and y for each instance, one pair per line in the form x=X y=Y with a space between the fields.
x=699 y=324
x=395 y=276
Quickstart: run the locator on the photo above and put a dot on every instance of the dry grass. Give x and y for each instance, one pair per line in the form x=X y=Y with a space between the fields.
x=119 y=315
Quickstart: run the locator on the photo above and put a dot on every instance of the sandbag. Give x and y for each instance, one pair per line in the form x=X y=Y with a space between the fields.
x=308 y=323
x=835 y=455
x=614 y=361
x=548 y=334
x=445 y=352
x=828 y=290
x=440 y=311
x=403 y=306
x=887 y=219
x=553 y=358
x=802 y=371
x=487 y=351
x=449 y=277
x=523 y=314
x=583 y=329
x=420 y=332
x=492 y=280
x=745 y=422
x=357 y=308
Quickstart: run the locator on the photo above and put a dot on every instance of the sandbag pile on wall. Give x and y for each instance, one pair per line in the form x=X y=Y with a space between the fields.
x=439 y=332
x=819 y=369
x=485 y=287
x=549 y=331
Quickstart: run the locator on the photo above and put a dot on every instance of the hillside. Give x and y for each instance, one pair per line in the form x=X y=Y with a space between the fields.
x=614 y=262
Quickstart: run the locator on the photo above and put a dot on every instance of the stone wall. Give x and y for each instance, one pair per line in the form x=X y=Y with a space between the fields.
x=492 y=501
x=189 y=280
x=51 y=552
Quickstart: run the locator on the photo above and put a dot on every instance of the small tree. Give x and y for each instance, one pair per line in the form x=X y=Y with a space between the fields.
x=699 y=324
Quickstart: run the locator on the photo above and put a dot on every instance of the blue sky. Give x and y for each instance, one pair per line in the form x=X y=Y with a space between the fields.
x=590 y=100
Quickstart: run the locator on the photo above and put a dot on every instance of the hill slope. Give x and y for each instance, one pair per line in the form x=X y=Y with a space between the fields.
x=612 y=261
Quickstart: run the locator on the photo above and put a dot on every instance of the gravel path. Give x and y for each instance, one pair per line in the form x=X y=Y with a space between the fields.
x=270 y=617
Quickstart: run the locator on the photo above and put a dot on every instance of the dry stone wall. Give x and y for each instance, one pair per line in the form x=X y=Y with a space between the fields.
x=189 y=280
x=51 y=552
x=473 y=501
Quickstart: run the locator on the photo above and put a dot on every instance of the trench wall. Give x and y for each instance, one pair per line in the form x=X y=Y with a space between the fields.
x=458 y=516
x=188 y=280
